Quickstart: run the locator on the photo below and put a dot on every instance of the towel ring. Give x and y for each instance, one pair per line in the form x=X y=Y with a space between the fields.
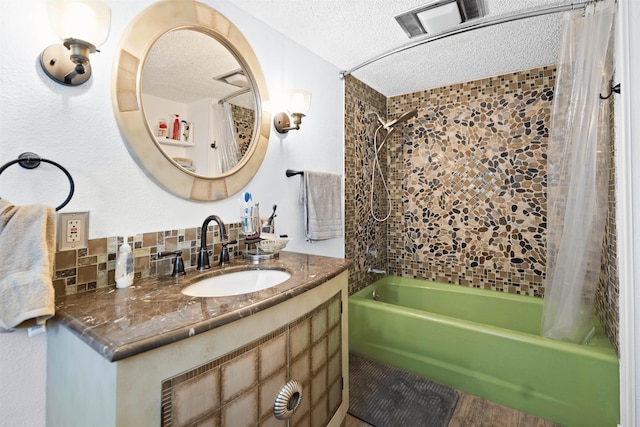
x=31 y=161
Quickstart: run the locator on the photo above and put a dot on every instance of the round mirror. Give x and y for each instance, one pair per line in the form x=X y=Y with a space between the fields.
x=203 y=116
x=188 y=94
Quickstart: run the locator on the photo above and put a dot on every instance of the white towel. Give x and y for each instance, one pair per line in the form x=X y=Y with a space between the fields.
x=321 y=194
x=27 y=245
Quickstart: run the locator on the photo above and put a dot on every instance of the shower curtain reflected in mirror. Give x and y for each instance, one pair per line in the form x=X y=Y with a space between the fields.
x=224 y=135
x=578 y=170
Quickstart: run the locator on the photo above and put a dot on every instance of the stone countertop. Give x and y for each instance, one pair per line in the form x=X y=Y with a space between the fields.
x=120 y=323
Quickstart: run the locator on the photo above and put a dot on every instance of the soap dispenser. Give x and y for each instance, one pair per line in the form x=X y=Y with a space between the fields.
x=124 y=266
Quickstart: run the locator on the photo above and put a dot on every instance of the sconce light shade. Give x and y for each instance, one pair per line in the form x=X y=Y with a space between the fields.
x=298 y=104
x=87 y=20
x=299 y=101
x=83 y=25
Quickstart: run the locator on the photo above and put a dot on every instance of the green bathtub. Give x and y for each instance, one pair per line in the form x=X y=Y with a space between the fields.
x=488 y=344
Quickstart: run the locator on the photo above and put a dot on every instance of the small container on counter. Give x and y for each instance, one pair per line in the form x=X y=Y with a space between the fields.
x=124 y=266
x=163 y=130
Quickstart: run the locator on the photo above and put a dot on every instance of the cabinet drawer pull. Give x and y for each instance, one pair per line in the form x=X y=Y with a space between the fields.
x=288 y=400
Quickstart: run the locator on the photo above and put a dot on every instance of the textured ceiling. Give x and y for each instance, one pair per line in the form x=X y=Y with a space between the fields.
x=349 y=32
x=168 y=75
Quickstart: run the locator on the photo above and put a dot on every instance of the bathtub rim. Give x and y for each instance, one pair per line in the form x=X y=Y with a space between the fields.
x=601 y=348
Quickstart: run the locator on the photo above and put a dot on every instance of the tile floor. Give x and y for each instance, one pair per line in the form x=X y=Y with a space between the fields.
x=473 y=411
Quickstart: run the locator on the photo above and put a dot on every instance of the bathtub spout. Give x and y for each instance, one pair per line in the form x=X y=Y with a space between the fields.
x=376 y=271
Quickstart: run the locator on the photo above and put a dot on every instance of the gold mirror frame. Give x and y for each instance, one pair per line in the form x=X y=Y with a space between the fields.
x=135 y=44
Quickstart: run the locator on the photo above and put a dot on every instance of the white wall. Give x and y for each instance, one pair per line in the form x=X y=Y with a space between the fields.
x=628 y=206
x=75 y=126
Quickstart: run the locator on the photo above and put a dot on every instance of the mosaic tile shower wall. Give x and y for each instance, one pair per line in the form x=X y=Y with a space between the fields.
x=607 y=294
x=365 y=239
x=243 y=120
x=470 y=175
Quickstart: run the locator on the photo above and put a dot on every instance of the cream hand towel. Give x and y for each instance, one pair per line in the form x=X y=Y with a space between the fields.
x=27 y=244
x=322 y=194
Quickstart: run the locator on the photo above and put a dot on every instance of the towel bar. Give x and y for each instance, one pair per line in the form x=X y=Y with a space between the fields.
x=31 y=161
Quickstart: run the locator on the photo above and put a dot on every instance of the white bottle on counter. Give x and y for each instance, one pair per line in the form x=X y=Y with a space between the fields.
x=124 y=266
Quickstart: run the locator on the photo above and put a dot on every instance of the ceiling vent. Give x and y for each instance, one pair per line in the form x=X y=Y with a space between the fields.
x=439 y=16
x=235 y=78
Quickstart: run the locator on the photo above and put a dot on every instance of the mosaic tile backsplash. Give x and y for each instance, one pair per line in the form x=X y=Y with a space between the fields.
x=468 y=183
x=93 y=267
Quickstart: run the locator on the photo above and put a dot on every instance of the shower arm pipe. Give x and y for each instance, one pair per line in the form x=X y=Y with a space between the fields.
x=471 y=25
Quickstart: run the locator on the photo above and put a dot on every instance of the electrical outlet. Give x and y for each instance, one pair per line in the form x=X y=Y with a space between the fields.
x=73 y=230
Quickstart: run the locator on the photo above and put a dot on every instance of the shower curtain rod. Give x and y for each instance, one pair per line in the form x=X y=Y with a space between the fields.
x=472 y=25
x=233 y=95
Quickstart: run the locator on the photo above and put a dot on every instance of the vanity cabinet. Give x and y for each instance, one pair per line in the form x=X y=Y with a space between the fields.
x=228 y=376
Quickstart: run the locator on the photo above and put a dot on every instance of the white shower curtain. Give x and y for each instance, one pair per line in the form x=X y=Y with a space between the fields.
x=578 y=172
x=225 y=136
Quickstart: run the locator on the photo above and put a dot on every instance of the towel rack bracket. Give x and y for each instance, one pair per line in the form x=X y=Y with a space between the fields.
x=29 y=160
x=291 y=172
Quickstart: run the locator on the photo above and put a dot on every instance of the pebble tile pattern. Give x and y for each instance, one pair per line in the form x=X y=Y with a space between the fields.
x=473 y=184
x=243 y=119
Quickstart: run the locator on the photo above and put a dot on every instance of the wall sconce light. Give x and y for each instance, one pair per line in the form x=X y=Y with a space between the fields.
x=82 y=25
x=298 y=104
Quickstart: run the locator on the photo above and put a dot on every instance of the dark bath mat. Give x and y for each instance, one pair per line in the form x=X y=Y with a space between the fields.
x=385 y=396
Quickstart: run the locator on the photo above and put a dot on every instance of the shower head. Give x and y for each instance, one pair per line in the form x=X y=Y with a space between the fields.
x=403 y=118
x=388 y=126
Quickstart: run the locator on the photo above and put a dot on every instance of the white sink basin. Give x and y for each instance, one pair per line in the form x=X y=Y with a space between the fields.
x=237 y=283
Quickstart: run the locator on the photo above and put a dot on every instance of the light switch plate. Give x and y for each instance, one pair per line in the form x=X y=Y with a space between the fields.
x=73 y=230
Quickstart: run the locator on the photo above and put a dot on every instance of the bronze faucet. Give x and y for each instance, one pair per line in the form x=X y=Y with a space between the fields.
x=203 y=254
